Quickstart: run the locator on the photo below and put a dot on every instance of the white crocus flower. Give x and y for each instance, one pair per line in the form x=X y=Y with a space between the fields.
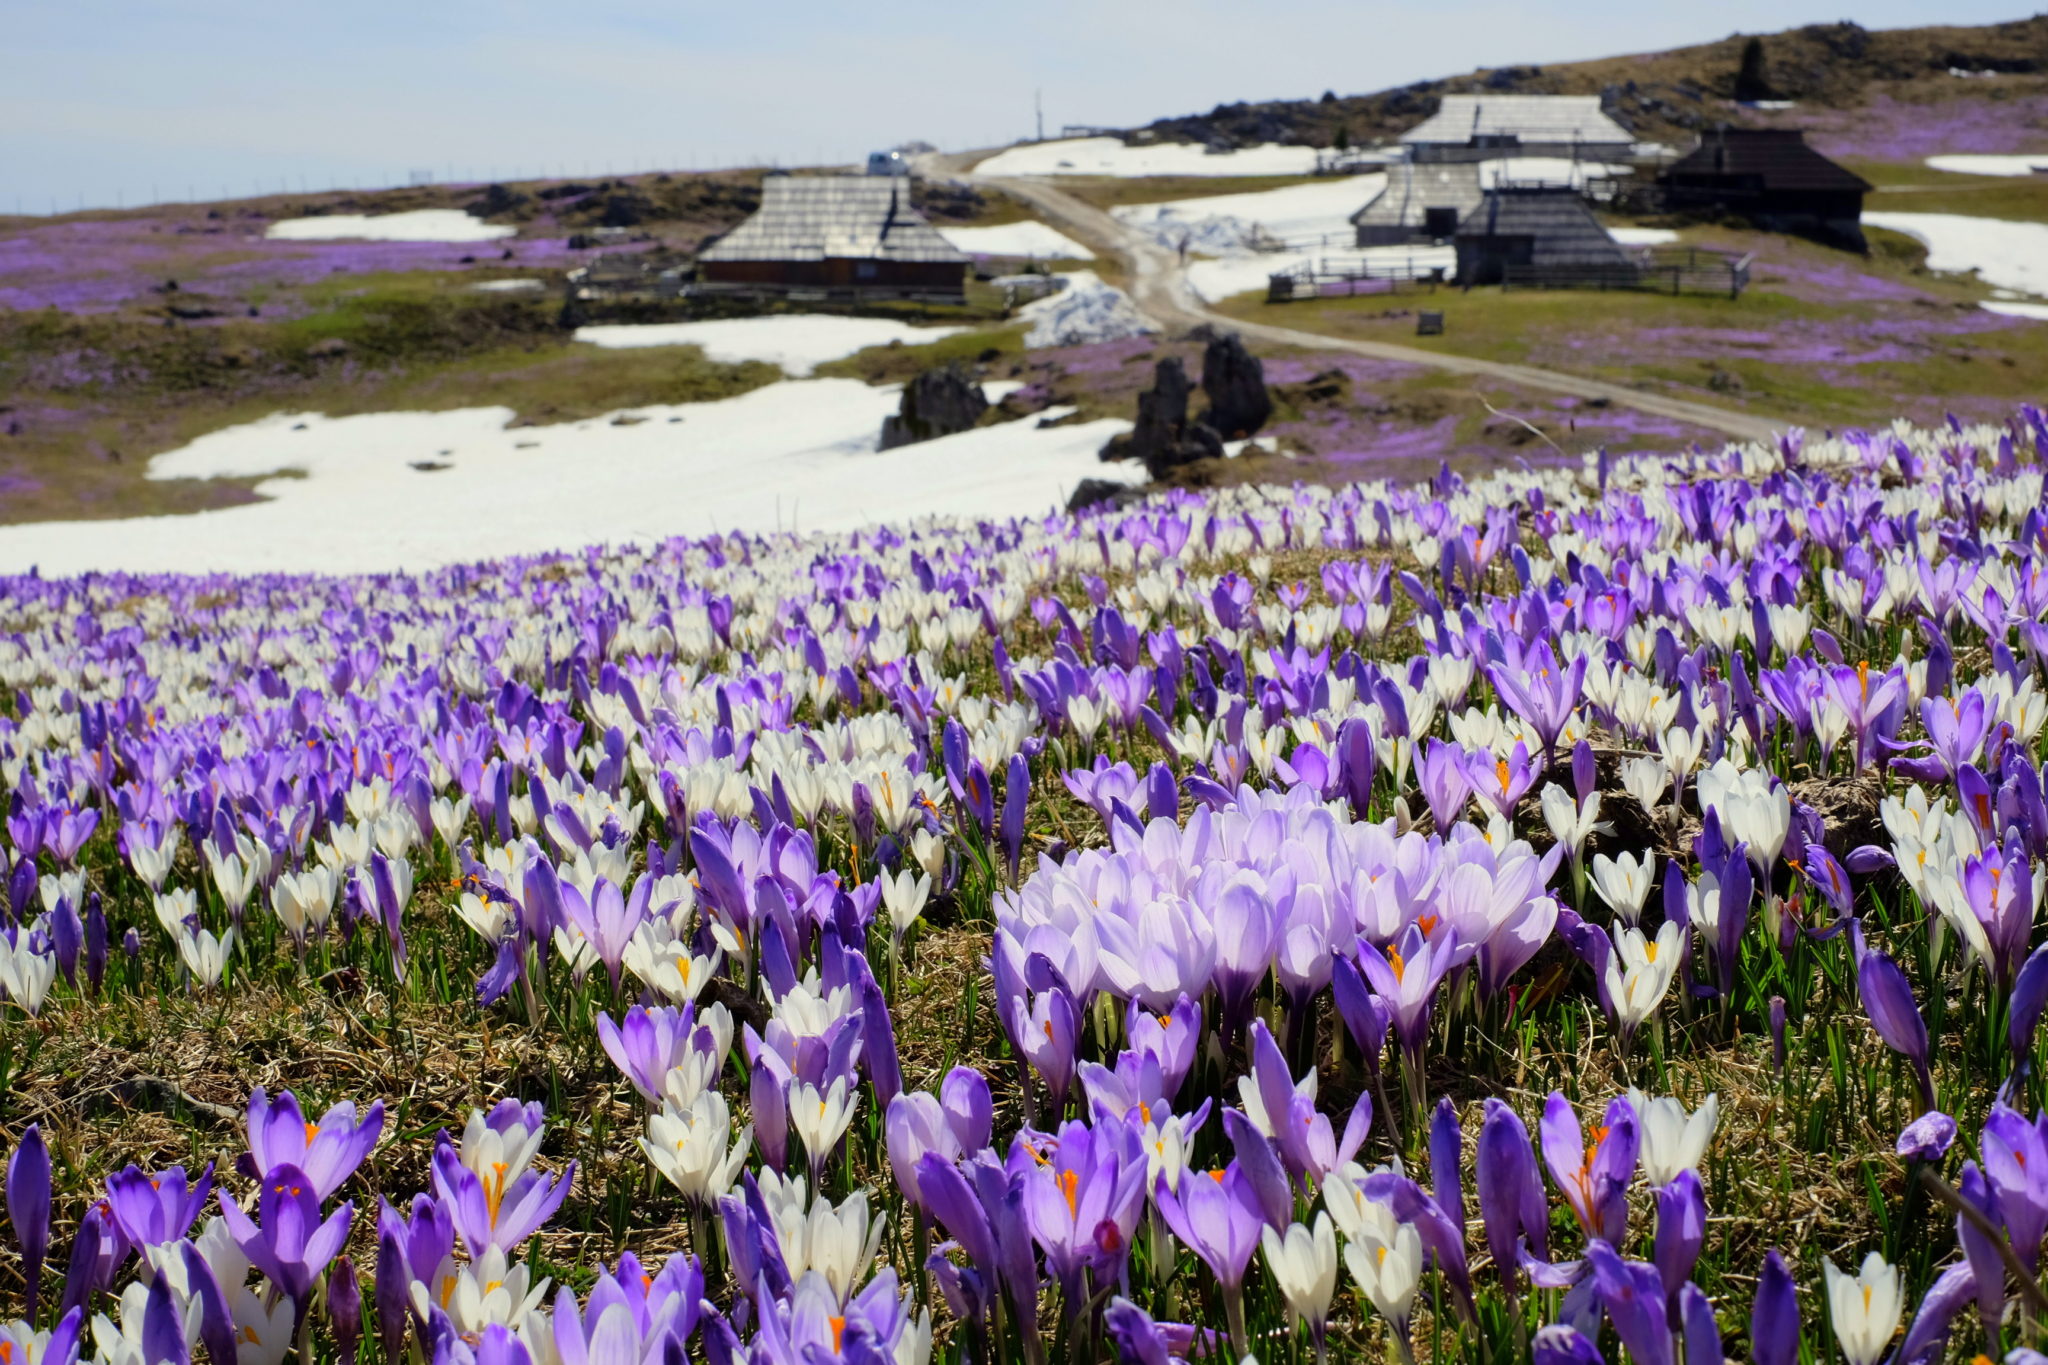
x=1865 y=1308
x=688 y=1145
x=1304 y=1264
x=205 y=956
x=1387 y=1271
x=304 y=900
x=1753 y=809
x=1673 y=1140
x=1572 y=822
x=1645 y=779
x=26 y=975
x=1624 y=882
x=489 y=1292
x=1639 y=972
x=821 y=1120
x=839 y=1243
x=904 y=896
x=498 y=1156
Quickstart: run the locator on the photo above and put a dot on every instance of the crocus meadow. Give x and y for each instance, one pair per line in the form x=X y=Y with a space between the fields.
x=1353 y=877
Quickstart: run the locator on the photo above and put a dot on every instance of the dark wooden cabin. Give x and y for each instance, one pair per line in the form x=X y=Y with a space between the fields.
x=1772 y=178
x=1544 y=237
x=842 y=236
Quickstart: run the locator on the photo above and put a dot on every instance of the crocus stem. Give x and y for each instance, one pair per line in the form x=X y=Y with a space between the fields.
x=1233 y=1312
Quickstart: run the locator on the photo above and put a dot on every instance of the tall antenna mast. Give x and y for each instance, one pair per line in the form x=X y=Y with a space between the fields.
x=1038 y=100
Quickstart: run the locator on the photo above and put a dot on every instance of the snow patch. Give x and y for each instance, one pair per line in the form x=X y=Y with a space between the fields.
x=798 y=342
x=2037 y=311
x=1975 y=163
x=1642 y=236
x=1086 y=311
x=1320 y=212
x=2005 y=254
x=1110 y=156
x=1028 y=238
x=419 y=225
x=414 y=490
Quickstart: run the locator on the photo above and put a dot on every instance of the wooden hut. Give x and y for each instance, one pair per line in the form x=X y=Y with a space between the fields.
x=1482 y=126
x=1422 y=202
x=1544 y=237
x=1772 y=178
x=848 y=237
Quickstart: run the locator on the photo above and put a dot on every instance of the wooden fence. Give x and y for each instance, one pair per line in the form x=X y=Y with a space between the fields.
x=1657 y=270
x=1339 y=277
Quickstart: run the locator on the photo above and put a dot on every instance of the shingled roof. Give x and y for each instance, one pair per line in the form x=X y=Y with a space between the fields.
x=1531 y=118
x=1563 y=229
x=840 y=217
x=1415 y=186
x=1768 y=158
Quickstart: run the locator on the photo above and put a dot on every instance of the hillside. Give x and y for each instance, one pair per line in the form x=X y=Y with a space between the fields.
x=1668 y=96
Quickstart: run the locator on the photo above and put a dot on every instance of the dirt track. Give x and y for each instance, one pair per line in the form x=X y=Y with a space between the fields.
x=1161 y=291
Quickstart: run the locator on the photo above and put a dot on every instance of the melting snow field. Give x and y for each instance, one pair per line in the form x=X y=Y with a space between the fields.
x=798 y=342
x=1109 y=156
x=414 y=490
x=1317 y=210
x=1972 y=163
x=1028 y=238
x=1086 y=311
x=420 y=225
x=2005 y=254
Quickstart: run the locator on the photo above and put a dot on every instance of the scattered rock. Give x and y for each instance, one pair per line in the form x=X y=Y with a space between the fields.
x=327 y=347
x=1164 y=437
x=429 y=466
x=628 y=419
x=496 y=199
x=1102 y=493
x=939 y=402
x=1235 y=381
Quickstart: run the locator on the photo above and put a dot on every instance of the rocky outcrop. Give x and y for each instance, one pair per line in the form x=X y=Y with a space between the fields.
x=1164 y=438
x=939 y=402
x=1235 y=381
x=1102 y=493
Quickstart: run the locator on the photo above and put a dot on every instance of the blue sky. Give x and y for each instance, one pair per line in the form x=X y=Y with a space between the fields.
x=110 y=101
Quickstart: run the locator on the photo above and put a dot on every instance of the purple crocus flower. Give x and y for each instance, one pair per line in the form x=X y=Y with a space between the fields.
x=1593 y=1176
x=1774 y=1315
x=1501 y=782
x=1405 y=979
x=1170 y=1038
x=1634 y=1296
x=647 y=1044
x=2029 y=995
x=28 y=1209
x=1697 y=1328
x=151 y=1210
x=1928 y=1137
x=1888 y=1001
x=494 y=1214
x=1047 y=1030
x=1510 y=1192
x=326 y=1153
x=1016 y=802
x=163 y=1326
x=1083 y=1201
x=1562 y=1344
x=345 y=1309
x=1927 y=1339
x=1442 y=771
x=1141 y=1341
x=1681 y=1230
x=1217 y=1216
x=2016 y=1163
x=1982 y=1250
x=292 y=1246
x=1541 y=691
